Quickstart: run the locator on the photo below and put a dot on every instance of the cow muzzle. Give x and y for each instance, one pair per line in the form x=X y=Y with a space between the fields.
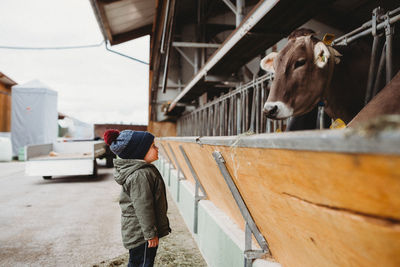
x=277 y=110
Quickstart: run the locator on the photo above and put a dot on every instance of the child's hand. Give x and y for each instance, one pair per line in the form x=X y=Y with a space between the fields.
x=153 y=242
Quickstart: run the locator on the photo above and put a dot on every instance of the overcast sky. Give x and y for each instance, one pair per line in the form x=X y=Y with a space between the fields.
x=93 y=85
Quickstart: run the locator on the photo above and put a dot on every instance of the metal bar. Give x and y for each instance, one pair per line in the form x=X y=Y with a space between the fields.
x=198 y=185
x=263 y=99
x=196 y=178
x=221 y=118
x=247 y=245
x=164 y=28
x=380 y=26
x=230 y=117
x=253 y=110
x=239 y=201
x=195 y=45
x=230 y=5
x=257 y=103
x=326 y=140
x=389 y=38
x=225 y=117
x=185 y=56
x=176 y=161
x=362 y=27
x=166 y=63
x=371 y=74
x=266 y=77
x=380 y=71
x=239 y=113
x=320 y=117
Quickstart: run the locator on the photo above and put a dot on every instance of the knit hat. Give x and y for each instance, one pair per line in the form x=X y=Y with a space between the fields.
x=129 y=144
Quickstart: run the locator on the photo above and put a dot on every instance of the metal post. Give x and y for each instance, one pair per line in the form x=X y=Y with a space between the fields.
x=380 y=71
x=320 y=117
x=239 y=113
x=240 y=202
x=371 y=74
x=166 y=63
x=164 y=28
x=198 y=185
x=247 y=245
x=389 y=38
x=253 y=111
x=257 y=103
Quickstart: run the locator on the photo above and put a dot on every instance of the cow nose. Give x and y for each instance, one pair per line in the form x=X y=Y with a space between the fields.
x=270 y=110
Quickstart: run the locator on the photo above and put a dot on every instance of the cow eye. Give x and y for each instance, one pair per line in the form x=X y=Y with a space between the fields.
x=300 y=63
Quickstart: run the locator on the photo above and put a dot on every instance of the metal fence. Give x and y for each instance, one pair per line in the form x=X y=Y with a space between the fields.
x=236 y=112
x=240 y=110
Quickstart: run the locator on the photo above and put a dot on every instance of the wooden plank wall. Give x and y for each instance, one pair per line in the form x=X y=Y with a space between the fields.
x=160 y=129
x=314 y=208
x=5 y=109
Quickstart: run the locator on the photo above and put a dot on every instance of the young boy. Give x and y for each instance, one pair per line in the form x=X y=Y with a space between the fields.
x=143 y=199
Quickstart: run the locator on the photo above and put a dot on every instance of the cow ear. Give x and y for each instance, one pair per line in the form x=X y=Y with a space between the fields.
x=267 y=63
x=321 y=54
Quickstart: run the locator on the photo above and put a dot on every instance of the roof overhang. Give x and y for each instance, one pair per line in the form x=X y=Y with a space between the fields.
x=6 y=80
x=124 y=20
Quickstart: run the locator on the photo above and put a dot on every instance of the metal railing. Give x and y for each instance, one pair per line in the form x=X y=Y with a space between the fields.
x=236 y=112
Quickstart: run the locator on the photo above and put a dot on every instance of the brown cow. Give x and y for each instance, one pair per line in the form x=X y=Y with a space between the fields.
x=308 y=72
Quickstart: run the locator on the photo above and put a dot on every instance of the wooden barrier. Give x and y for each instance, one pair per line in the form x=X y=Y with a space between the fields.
x=314 y=208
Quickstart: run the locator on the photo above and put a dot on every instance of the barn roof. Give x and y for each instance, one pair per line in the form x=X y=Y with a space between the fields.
x=123 y=20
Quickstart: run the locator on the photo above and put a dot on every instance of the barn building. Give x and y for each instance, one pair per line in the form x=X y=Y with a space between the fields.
x=5 y=102
x=251 y=193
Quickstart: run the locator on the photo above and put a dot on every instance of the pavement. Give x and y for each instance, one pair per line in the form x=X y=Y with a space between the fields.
x=65 y=221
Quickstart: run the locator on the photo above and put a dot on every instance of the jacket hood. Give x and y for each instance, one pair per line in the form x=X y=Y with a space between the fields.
x=125 y=167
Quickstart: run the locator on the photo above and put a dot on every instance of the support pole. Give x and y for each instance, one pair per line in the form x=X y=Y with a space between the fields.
x=240 y=202
x=169 y=41
x=380 y=71
x=372 y=66
x=389 y=38
x=198 y=186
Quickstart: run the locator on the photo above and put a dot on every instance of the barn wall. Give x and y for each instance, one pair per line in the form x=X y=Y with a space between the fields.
x=5 y=108
x=161 y=129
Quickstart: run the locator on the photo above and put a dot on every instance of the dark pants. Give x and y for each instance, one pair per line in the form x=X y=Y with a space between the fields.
x=142 y=256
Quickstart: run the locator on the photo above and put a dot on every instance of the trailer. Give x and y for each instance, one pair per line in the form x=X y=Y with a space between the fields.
x=63 y=158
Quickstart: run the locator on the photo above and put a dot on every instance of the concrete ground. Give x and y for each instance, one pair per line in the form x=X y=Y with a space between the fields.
x=73 y=221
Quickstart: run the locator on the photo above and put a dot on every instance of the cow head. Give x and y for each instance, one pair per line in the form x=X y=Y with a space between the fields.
x=301 y=72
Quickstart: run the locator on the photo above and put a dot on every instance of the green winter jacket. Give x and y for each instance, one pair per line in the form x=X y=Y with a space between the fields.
x=143 y=202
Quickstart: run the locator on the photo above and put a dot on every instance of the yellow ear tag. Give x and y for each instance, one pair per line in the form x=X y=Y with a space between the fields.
x=278 y=130
x=338 y=124
x=328 y=38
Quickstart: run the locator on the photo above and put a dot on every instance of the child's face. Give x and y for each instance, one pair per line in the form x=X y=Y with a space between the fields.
x=152 y=154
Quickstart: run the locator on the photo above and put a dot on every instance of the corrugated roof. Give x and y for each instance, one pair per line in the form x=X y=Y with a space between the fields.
x=124 y=20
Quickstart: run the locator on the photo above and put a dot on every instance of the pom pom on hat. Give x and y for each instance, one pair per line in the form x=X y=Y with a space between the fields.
x=110 y=136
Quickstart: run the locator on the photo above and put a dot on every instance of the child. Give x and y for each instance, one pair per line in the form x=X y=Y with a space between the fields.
x=143 y=199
